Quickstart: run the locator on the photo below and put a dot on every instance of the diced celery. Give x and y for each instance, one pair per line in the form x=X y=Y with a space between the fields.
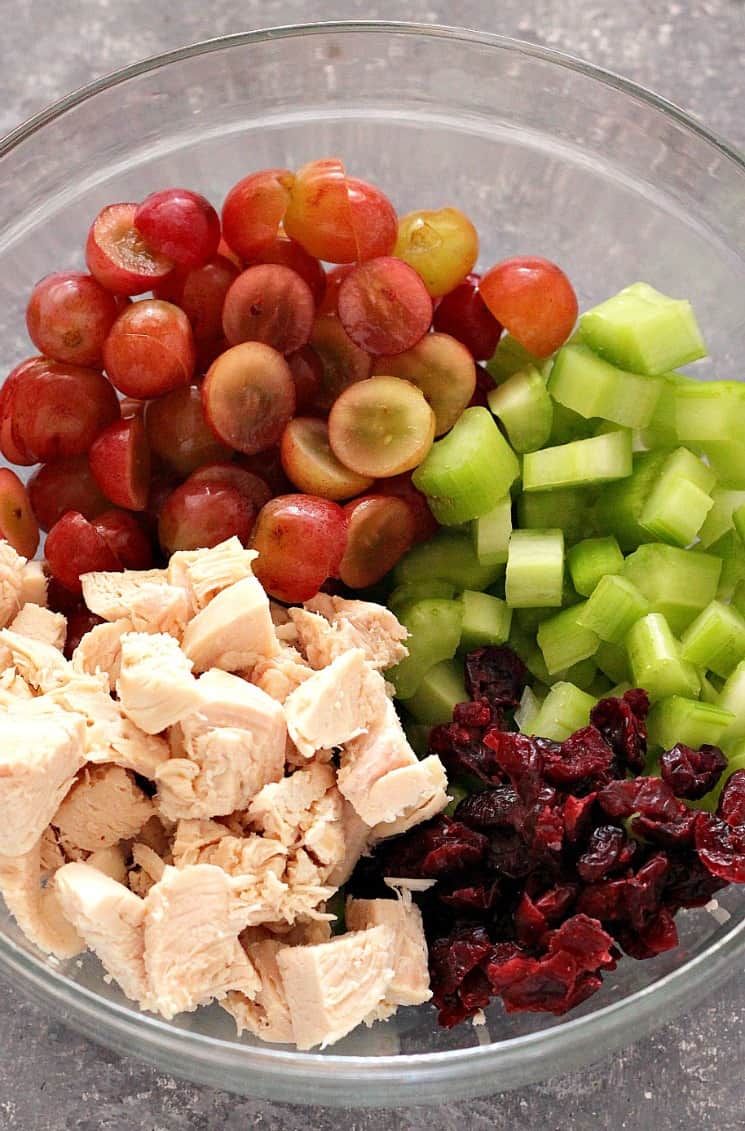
x=412 y=591
x=592 y=387
x=526 y=410
x=583 y=674
x=563 y=641
x=529 y=619
x=677 y=583
x=592 y=559
x=618 y=691
x=710 y=692
x=643 y=330
x=601 y=687
x=661 y=432
x=536 y=665
x=490 y=534
x=564 y=710
x=689 y=721
x=520 y=641
x=486 y=620
x=441 y=688
x=613 y=661
x=720 y=518
x=468 y=471
x=715 y=640
x=730 y=552
x=568 y=425
x=710 y=416
x=728 y=461
x=568 y=508
x=595 y=460
x=614 y=605
x=738 y=521
x=619 y=505
x=434 y=634
x=656 y=661
x=680 y=499
x=735 y=762
x=448 y=556
x=510 y=357
x=535 y=569
x=527 y=712
x=732 y=698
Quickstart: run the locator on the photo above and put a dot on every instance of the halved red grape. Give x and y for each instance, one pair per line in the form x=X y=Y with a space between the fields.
x=59 y=409
x=68 y=317
x=150 y=349
x=180 y=224
x=464 y=315
x=311 y=465
x=120 y=463
x=425 y=523
x=381 y=427
x=384 y=306
x=534 y=301
x=343 y=362
x=381 y=530
x=178 y=433
x=201 y=295
x=126 y=538
x=9 y=441
x=442 y=368
x=334 y=279
x=252 y=488
x=307 y=373
x=65 y=485
x=253 y=211
x=74 y=547
x=268 y=466
x=200 y=515
x=225 y=250
x=269 y=303
x=301 y=541
x=288 y=253
x=374 y=220
x=118 y=256
x=442 y=246
x=248 y=397
x=319 y=215
x=17 y=522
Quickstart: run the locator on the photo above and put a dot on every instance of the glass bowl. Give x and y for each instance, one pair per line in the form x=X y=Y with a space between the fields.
x=548 y=156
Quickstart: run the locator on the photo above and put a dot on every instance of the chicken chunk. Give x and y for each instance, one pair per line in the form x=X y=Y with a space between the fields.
x=33 y=584
x=351 y=624
x=41 y=665
x=304 y=812
x=333 y=705
x=12 y=567
x=156 y=687
x=147 y=870
x=110 y=595
x=192 y=953
x=39 y=623
x=357 y=836
x=332 y=987
x=231 y=746
x=368 y=760
x=156 y=607
x=280 y=675
x=267 y=1016
x=418 y=792
x=205 y=573
x=410 y=983
x=13 y=688
x=103 y=807
x=109 y=918
x=111 y=861
x=51 y=855
x=234 y=631
x=41 y=751
x=35 y=909
x=100 y=650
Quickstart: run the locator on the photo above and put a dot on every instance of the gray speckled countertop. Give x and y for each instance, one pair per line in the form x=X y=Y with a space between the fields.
x=688 y=1076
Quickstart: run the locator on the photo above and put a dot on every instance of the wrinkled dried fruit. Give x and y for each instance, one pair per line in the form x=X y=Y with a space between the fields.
x=622 y=724
x=497 y=674
x=731 y=806
x=692 y=773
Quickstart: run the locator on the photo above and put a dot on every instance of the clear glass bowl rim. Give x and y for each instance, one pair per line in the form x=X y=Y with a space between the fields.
x=392 y=1080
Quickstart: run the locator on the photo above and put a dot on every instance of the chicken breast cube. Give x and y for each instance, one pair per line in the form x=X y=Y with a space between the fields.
x=109 y=918
x=369 y=759
x=155 y=685
x=40 y=753
x=268 y=1015
x=234 y=631
x=33 y=584
x=156 y=607
x=418 y=792
x=192 y=953
x=305 y=805
x=111 y=861
x=332 y=987
x=329 y=626
x=410 y=983
x=40 y=664
x=39 y=623
x=35 y=909
x=103 y=807
x=12 y=567
x=100 y=650
x=205 y=573
x=110 y=595
x=356 y=839
x=13 y=688
x=280 y=675
x=333 y=705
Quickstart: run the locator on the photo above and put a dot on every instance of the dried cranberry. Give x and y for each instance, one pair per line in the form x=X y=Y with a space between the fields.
x=510 y=856
x=474 y=899
x=521 y=758
x=532 y=985
x=475 y=991
x=658 y=935
x=621 y=723
x=601 y=854
x=453 y=957
x=497 y=674
x=721 y=847
x=490 y=809
x=462 y=751
x=582 y=757
x=578 y=816
x=689 y=883
x=644 y=892
x=650 y=796
x=692 y=773
x=530 y=923
x=440 y=847
x=479 y=713
x=544 y=825
x=585 y=941
x=675 y=833
x=555 y=903
x=731 y=807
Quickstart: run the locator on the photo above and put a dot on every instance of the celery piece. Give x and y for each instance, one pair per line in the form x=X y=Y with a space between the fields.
x=527 y=712
x=565 y=709
x=735 y=762
x=618 y=691
x=656 y=661
x=612 y=660
x=614 y=605
x=413 y=591
x=592 y=559
x=709 y=692
x=680 y=499
x=592 y=387
x=677 y=583
x=708 y=411
x=732 y=698
x=490 y=534
x=509 y=358
x=620 y=504
x=583 y=674
x=448 y=556
x=728 y=461
x=643 y=330
x=690 y=721
x=468 y=471
x=526 y=410
x=486 y=620
x=737 y=600
x=529 y=619
x=563 y=641
x=595 y=460
x=434 y=634
x=715 y=640
x=730 y=552
x=457 y=792
x=738 y=520
x=439 y=691
x=536 y=665
x=569 y=425
x=535 y=569
x=720 y=518
x=568 y=508
x=662 y=432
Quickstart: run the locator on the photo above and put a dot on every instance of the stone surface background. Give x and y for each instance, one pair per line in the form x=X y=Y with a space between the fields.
x=688 y=1076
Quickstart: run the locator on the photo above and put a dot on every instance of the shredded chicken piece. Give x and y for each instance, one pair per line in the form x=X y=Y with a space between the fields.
x=350 y=624
x=39 y=623
x=33 y=584
x=205 y=573
x=34 y=908
x=410 y=983
x=234 y=631
x=99 y=653
x=110 y=595
x=333 y=705
x=155 y=685
x=41 y=665
x=12 y=577
x=281 y=674
x=267 y=1015
x=103 y=807
x=111 y=861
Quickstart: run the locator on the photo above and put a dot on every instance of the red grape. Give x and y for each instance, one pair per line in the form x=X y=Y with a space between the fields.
x=334 y=279
x=463 y=314
x=118 y=256
x=126 y=538
x=17 y=523
x=307 y=373
x=200 y=515
x=9 y=441
x=150 y=349
x=534 y=301
x=178 y=433
x=442 y=247
x=288 y=253
x=252 y=488
x=59 y=409
x=312 y=466
x=301 y=541
x=342 y=361
x=271 y=304
x=69 y=316
x=75 y=547
x=381 y=530
x=248 y=396
x=201 y=294
x=319 y=216
x=120 y=463
x=374 y=220
x=425 y=523
x=384 y=306
x=65 y=485
x=268 y=466
x=442 y=368
x=253 y=211
x=180 y=224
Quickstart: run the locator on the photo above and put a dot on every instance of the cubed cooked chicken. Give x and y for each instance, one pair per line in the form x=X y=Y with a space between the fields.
x=410 y=982
x=110 y=595
x=234 y=631
x=332 y=706
x=357 y=836
x=100 y=650
x=205 y=573
x=103 y=807
x=156 y=687
x=12 y=576
x=419 y=791
x=35 y=909
x=267 y=1015
x=39 y=623
x=111 y=861
x=42 y=665
x=281 y=674
x=33 y=584
x=330 y=626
